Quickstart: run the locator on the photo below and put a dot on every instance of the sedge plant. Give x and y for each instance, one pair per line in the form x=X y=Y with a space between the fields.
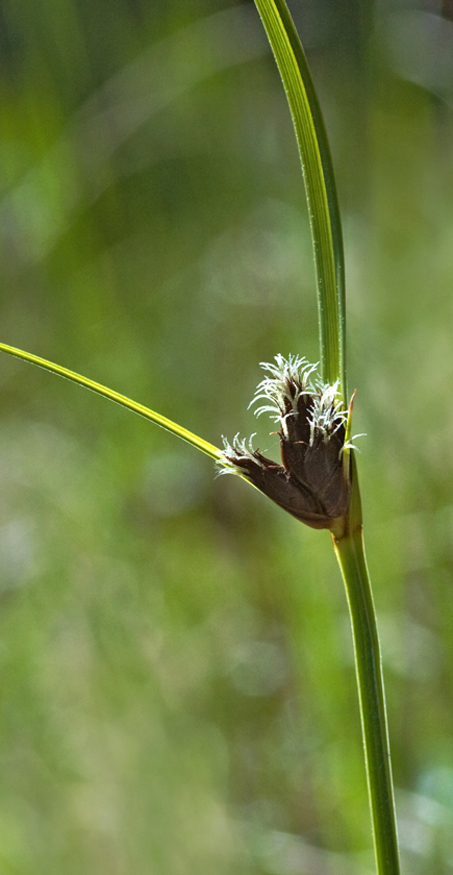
x=317 y=481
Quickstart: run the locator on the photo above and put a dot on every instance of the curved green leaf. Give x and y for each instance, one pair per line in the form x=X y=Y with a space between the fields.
x=173 y=427
x=319 y=184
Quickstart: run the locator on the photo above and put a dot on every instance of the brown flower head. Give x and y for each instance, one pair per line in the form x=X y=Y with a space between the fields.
x=313 y=483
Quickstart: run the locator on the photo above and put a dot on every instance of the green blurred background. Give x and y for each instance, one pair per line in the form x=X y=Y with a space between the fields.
x=177 y=689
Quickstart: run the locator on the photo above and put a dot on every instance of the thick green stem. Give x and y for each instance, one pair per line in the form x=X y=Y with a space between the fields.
x=351 y=556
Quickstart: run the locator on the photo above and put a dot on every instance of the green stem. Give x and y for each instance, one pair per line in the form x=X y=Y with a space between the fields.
x=350 y=550
x=348 y=541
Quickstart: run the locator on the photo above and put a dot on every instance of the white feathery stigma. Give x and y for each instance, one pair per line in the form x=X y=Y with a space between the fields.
x=290 y=378
x=348 y=445
x=326 y=415
x=239 y=448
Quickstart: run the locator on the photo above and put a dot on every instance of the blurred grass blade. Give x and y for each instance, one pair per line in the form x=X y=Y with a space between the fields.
x=173 y=427
x=78 y=162
x=319 y=184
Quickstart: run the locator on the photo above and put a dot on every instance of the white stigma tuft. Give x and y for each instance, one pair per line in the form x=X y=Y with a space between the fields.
x=290 y=378
x=239 y=449
x=326 y=415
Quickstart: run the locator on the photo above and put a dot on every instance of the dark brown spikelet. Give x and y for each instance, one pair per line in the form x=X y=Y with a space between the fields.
x=313 y=483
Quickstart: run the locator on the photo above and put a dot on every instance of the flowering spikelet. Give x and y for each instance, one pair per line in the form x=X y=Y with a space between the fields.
x=313 y=483
x=237 y=454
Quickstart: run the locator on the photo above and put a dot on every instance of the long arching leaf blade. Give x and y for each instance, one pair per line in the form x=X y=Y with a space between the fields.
x=319 y=184
x=168 y=424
